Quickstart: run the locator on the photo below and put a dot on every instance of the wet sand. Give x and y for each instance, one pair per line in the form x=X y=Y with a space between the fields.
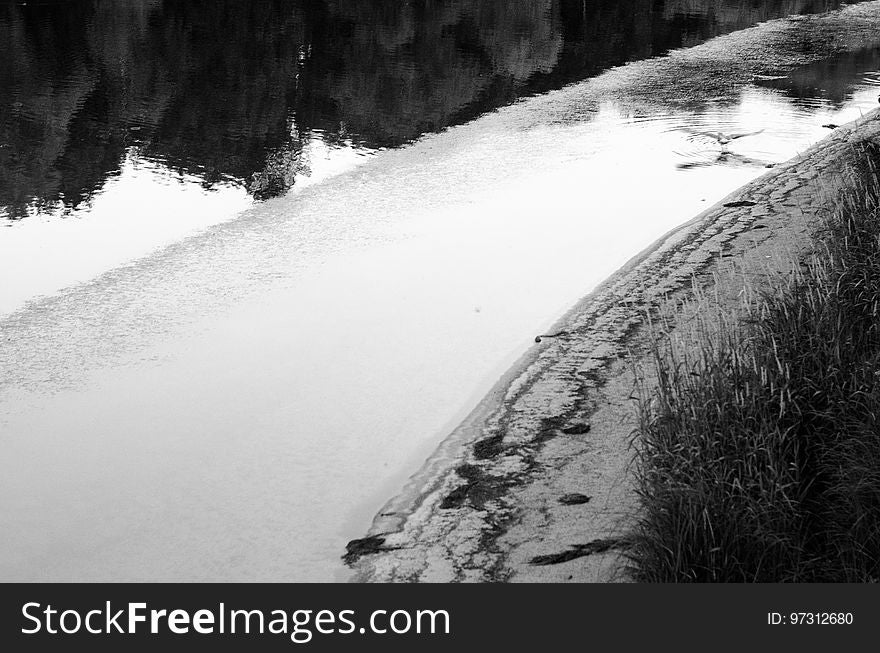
x=534 y=485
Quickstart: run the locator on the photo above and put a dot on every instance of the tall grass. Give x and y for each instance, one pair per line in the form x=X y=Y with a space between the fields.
x=758 y=447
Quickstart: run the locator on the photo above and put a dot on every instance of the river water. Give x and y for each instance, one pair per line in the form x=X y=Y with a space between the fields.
x=259 y=258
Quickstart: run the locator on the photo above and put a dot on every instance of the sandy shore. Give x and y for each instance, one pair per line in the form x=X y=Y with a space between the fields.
x=534 y=485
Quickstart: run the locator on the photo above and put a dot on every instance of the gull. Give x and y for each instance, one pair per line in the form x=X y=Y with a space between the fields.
x=725 y=156
x=723 y=139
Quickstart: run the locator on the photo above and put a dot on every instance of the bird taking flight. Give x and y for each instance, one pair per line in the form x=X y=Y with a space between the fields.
x=724 y=157
x=723 y=139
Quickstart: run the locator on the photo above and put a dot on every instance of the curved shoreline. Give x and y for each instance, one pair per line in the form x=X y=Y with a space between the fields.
x=489 y=504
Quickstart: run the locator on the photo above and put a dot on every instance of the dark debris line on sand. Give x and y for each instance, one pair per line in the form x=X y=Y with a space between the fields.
x=581 y=550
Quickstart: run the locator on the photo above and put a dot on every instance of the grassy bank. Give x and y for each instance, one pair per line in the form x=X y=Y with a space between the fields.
x=758 y=447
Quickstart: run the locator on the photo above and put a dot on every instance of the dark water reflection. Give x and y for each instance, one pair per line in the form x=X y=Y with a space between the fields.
x=831 y=79
x=230 y=90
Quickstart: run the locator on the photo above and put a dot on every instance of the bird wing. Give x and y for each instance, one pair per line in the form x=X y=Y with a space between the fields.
x=707 y=134
x=743 y=134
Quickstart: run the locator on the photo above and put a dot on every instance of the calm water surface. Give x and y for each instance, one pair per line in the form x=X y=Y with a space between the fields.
x=260 y=257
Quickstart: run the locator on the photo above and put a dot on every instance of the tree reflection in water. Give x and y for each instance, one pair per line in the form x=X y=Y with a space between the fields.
x=230 y=90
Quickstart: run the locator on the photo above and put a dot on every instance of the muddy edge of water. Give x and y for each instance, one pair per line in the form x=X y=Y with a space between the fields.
x=533 y=486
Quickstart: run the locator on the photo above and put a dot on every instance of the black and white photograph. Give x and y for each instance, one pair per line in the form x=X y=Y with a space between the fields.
x=439 y=292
